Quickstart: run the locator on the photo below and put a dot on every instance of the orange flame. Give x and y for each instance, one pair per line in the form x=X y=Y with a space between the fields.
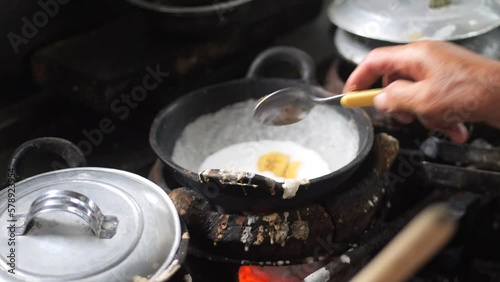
x=249 y=274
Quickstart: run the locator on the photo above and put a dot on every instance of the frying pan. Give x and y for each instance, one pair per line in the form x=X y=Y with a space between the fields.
x=240 y=191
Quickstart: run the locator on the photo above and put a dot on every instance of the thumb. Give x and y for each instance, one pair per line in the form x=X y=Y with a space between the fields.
x=458 y=133
x=399 y=96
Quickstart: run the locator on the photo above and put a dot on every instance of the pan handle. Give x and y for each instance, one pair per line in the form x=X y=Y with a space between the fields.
x=241 y=178
x=300 y=59
x=73 y=156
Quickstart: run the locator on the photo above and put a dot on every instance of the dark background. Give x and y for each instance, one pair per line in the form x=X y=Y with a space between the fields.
x=74 y=17
x=28 y=111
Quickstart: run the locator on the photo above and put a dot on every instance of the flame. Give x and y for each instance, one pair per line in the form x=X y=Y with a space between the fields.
x=249 y=274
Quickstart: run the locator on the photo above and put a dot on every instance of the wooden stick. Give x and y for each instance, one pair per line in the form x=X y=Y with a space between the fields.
x=418 y=242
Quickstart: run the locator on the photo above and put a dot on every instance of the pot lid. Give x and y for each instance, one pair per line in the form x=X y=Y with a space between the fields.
x=412 y=20
x=117 y=226
x=354 y=48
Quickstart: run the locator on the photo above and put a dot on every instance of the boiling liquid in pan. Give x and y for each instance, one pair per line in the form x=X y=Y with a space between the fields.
x=325 y=141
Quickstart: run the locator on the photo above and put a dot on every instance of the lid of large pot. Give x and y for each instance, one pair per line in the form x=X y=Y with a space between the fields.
x=411 y=20
x=117 y=226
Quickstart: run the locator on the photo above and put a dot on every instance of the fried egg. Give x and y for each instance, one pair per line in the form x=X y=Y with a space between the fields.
x=279 y=160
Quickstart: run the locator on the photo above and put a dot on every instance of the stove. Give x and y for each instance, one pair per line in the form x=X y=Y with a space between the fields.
x=408 y=169
x=331 y=239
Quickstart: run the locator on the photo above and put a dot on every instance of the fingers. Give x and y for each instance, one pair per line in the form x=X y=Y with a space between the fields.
x=390 y=78
x=457 y=132
x=404 y=118
x=384 y=61
x=400 y=96
x=405 y=100
x=387 y=79
x=413 y=76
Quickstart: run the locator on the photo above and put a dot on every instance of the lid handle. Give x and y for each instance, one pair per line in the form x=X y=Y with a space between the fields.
x=103 y=226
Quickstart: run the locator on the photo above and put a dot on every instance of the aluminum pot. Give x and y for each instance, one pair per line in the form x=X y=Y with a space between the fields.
x=354 y=48
x=408 y=21
x=86 y=223
x=244 y=191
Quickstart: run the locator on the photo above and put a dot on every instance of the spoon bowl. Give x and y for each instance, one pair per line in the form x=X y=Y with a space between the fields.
x=282 y=107
x=290 y=105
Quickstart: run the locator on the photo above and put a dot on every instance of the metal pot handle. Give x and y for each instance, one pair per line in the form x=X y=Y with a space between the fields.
x=73 y=156
x=300 y=59
x=103 y=226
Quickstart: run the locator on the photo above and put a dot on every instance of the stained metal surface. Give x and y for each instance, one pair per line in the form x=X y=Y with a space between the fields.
x=461 y=178
x=466 y=154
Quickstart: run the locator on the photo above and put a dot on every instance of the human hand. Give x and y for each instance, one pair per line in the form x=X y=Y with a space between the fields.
x=439 y=83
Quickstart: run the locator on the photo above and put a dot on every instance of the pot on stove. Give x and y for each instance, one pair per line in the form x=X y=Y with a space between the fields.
x=354 y=48
x=470 y=24
x=240 y=190
x=408 y=21
x=86 y=223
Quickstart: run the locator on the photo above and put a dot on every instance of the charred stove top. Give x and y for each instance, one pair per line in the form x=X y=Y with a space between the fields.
x=335 y=237
x=286 y=236
x=330 y=240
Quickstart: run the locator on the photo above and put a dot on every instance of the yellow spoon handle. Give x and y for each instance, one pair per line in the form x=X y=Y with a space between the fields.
x=362 y=98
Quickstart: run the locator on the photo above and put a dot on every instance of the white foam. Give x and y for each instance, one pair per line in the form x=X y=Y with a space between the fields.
x=325 y=131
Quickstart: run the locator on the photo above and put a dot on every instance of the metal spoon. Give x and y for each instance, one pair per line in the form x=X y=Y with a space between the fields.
x=291 y=105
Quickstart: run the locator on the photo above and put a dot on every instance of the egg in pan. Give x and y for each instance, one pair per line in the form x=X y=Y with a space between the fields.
x=283 y=161
x=293 y=155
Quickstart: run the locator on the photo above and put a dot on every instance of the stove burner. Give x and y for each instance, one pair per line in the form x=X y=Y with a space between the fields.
x=310 y=233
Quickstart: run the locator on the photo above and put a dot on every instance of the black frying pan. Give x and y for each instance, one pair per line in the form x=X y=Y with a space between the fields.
x=256 y=193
